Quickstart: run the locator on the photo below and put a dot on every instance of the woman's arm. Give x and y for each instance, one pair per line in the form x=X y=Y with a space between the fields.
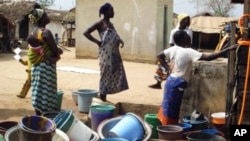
x=49 y=39
x=212 y=56
x=91 y=29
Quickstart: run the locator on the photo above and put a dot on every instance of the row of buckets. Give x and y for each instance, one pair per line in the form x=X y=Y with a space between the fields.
x=125 y=127
x=64 y=125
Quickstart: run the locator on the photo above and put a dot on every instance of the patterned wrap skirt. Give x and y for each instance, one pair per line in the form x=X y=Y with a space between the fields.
x=170 y=107
x=44 y=87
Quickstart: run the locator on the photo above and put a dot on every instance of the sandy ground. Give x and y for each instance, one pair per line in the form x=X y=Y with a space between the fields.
x=13 y=76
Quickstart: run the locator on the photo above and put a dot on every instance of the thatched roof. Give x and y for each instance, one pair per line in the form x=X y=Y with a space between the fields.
x=16 y=11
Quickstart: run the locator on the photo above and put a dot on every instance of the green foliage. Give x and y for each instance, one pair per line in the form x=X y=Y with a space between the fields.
x=45 y=3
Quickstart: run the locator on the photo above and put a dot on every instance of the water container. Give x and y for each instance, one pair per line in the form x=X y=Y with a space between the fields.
x=129 y=127
x=85 y=98
x=36 y=128
x=59 y=100
x=100 y=113
x=114 y=139
x=13 y=134
x=64 y=120
x=154 y=122
x=199 y=136
x=169 y=132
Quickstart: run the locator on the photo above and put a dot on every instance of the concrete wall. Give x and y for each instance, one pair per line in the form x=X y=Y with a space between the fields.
x=139 y=23
x=207 y=88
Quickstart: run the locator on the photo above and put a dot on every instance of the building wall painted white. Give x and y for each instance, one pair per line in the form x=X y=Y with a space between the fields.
x=144 y=26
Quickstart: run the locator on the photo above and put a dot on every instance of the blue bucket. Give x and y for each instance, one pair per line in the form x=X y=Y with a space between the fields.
x=129 y=127
x=38 y=123
x=36 y=128
x=85 y=98
x=186 y=127
x=100 y=113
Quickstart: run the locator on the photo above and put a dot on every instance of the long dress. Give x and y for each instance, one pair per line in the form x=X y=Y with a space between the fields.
x=113 y=77
x=43 y=80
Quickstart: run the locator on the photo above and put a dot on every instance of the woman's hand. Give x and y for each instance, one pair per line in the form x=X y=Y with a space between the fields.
x=122 y=43
x=99 y=43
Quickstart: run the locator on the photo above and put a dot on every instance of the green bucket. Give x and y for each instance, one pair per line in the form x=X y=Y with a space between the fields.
x=153 y=120
x=59 y=100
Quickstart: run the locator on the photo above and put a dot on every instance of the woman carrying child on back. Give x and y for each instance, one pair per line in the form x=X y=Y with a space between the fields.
x=43 y=55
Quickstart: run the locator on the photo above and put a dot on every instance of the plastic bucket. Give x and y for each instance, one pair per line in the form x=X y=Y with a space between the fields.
x=218 y=118
x=37 y=124
x=5 y=125
x=36 y=128
x=85 y=98
x=154 y=122
x=79 y=131
x=64 y=120
x=196 y=124
x=28 y=135
x=169 y=132
x=1 y=138
x=13 y=134
x=96 y=101
x=100 y=113
x=74 y=97
x=105 y=126
x=185 y=126
x=51 y=115
x=59 y=100
x=129 y=127
x=114 y=139
x=199 y=136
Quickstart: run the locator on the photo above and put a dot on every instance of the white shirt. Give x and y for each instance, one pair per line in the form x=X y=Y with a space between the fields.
x=181 y=60
x=188 y=30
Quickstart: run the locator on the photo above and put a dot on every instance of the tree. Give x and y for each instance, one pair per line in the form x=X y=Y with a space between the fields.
x=220 y=8
x=45 y=3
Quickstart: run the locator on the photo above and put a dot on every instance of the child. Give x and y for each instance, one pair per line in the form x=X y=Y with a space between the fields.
x=36 y=46
x=27 y=83
x=161 y=74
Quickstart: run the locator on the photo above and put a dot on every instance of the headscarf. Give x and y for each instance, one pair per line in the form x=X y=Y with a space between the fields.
x=182 y=16
x=36 y=15
x=104 y=8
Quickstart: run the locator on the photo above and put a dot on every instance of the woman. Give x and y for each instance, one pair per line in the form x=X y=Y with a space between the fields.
x=113 y=77
x=162 y=72
x=44 y=76
x=181 y=57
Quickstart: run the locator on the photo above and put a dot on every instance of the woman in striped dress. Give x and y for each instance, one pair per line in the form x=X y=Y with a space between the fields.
x=44 y=76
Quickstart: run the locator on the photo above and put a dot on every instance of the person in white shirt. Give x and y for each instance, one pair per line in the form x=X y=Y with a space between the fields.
x=181 y=57
x=183 y=24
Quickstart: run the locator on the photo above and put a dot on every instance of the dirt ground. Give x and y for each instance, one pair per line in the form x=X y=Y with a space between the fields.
x=13 y=76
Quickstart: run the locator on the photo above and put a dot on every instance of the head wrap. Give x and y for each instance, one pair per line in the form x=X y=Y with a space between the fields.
x=36 y=15
x=104 y=8
x=182 y=16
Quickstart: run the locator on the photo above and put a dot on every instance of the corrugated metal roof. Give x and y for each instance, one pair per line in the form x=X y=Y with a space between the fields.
x=209 y=24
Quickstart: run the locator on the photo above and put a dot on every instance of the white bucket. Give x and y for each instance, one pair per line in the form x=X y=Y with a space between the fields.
x=79 y=131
